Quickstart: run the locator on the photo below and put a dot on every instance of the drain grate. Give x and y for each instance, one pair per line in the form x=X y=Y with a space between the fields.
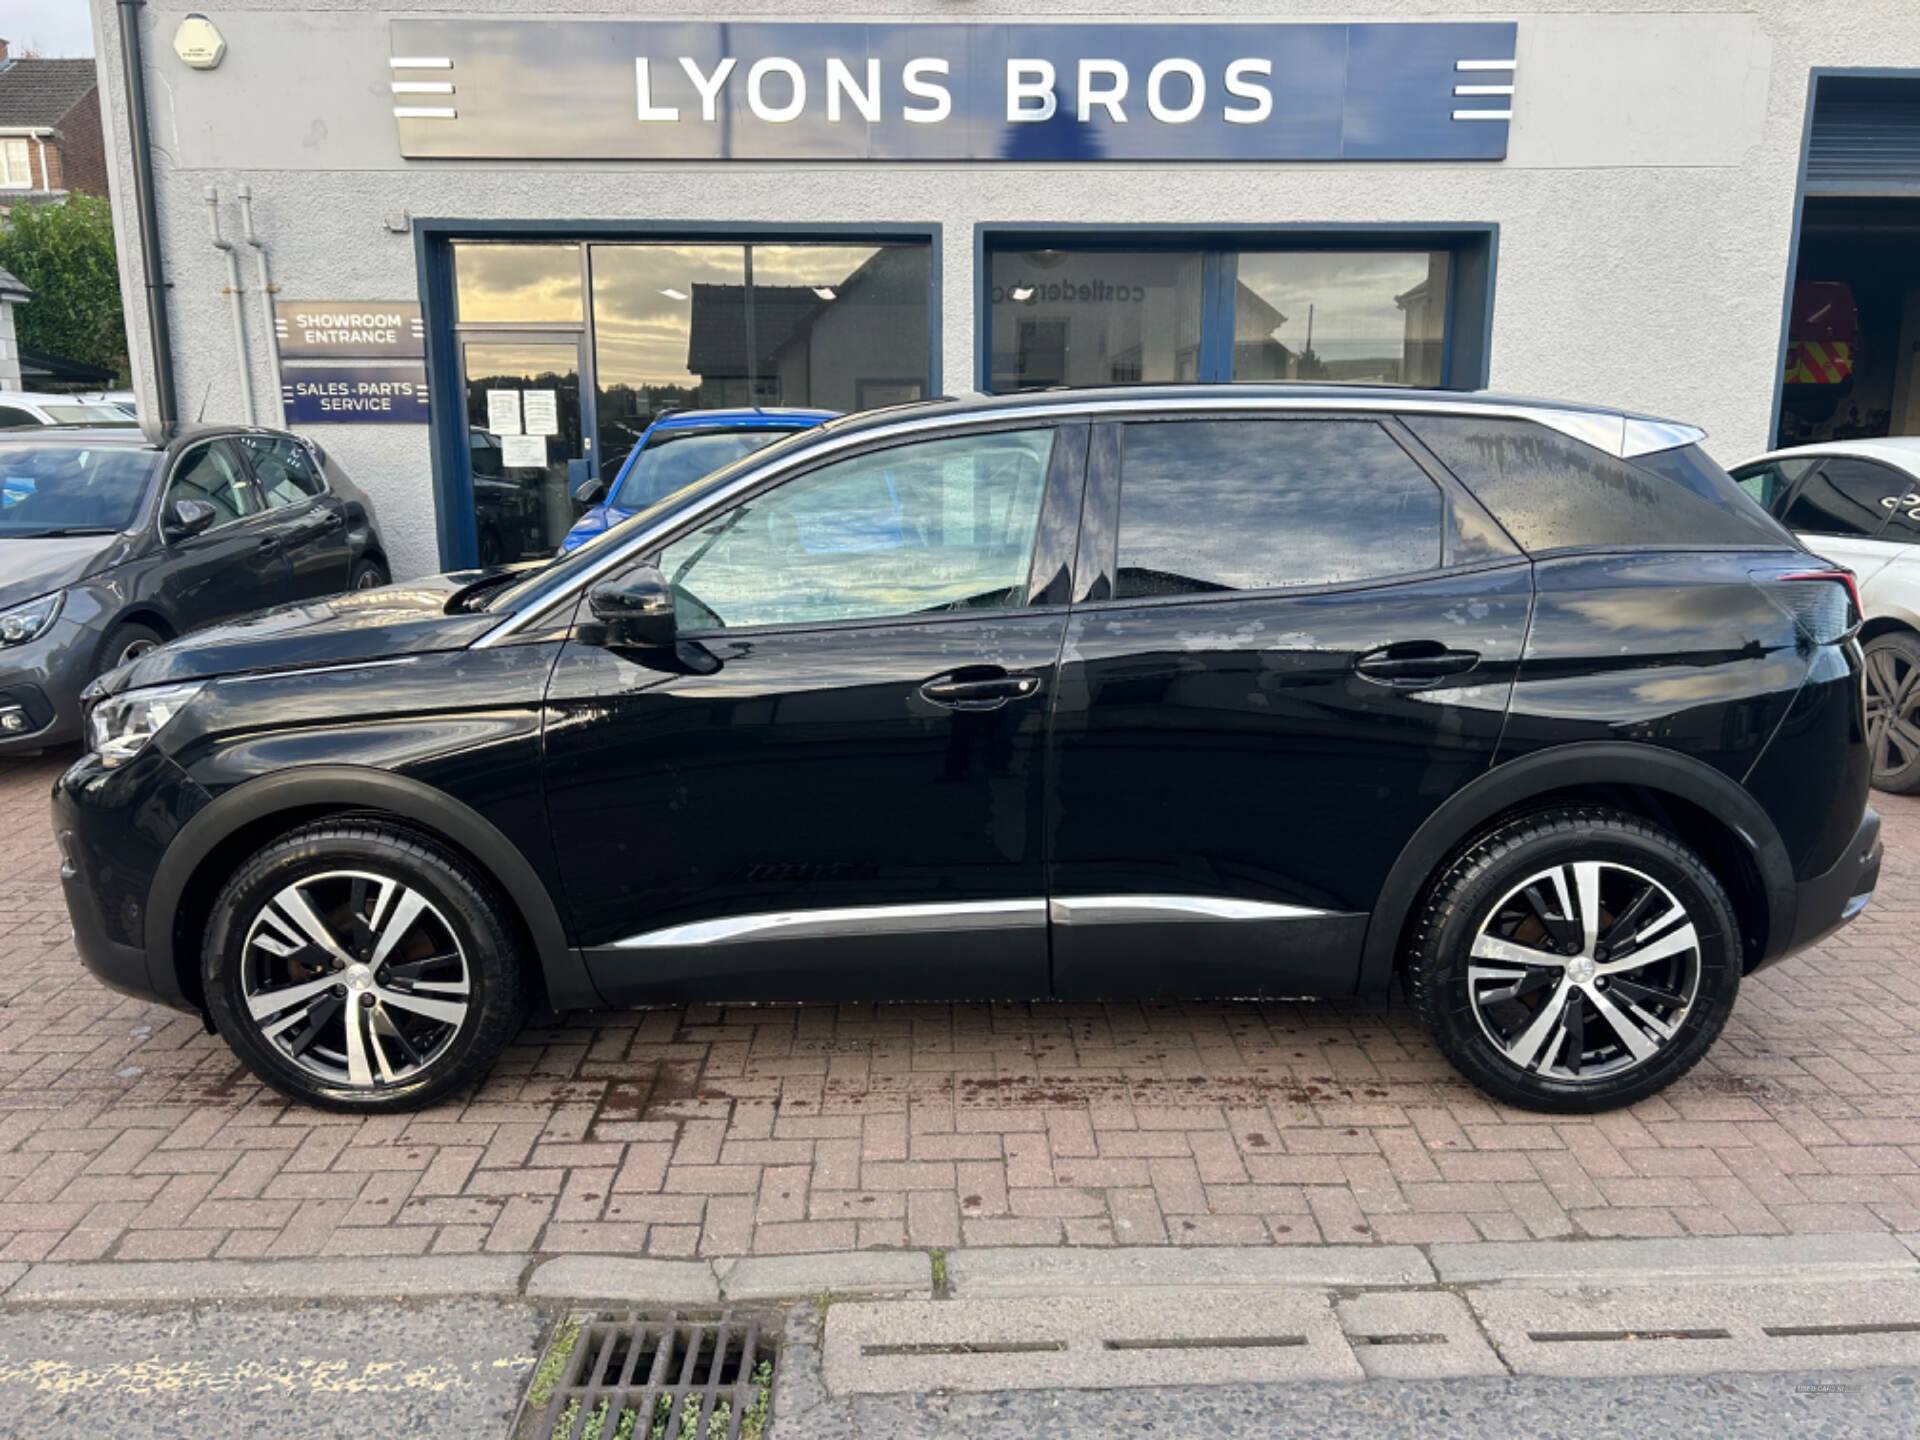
x=1557 y=1337
x=674 y=1377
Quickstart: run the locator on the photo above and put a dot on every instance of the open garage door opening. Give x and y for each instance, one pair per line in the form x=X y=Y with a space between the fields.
x=1852 y=362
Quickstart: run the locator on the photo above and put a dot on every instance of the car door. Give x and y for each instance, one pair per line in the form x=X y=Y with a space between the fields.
x=1839 y=510
x=310 y=522
x=1292 y=639
x=234 y=566
x=832 y=790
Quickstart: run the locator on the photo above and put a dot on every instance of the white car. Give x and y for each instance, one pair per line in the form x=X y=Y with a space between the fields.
x=23 y=409
x=1857 y=502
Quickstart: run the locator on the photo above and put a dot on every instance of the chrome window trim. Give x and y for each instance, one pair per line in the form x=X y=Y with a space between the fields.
x=1615 y=434
x=849 y=920
x=1122 y=909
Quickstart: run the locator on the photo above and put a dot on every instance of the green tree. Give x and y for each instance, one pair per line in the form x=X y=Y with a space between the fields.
x=64 y=254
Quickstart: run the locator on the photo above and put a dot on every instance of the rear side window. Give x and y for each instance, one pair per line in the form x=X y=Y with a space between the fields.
x=285 y=473
x=1769 y=481
x=1210 y=505
x=1551 y=491
x=1848 y=498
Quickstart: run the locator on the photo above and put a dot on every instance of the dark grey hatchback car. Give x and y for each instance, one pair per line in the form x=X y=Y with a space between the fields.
x=112 y=543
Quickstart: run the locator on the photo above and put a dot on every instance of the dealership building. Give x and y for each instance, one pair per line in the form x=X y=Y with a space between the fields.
x=474 y=250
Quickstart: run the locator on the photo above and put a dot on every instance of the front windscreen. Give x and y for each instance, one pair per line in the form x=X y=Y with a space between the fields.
x=674 y=459
x=58 y=489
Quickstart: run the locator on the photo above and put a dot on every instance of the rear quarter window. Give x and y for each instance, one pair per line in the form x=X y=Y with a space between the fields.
x=1553 y=492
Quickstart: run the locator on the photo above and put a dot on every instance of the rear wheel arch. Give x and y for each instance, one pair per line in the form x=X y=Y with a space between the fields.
x=1709 y=812
x=241 y=821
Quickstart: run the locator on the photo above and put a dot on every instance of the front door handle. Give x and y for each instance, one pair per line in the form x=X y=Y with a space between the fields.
x=978 y=687
x=1412 y=663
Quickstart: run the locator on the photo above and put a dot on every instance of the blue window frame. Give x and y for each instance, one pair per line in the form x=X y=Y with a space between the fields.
x=1372 y=304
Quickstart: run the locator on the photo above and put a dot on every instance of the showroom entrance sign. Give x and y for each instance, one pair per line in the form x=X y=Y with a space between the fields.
x=635 y=89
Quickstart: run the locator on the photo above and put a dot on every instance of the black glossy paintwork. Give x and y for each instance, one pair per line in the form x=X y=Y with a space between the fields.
x=846 y=788
x=171 y=586
x=1220 y=745
x=1227 y=747
x=1681 y=651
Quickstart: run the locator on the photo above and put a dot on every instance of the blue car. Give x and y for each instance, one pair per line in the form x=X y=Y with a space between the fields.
x=676 y=450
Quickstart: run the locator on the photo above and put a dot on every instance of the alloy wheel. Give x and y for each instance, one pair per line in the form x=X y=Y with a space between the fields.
x=133 y=650
x=1584 y=971
x=1893 y=710
x=369 y=579
x=355 y=977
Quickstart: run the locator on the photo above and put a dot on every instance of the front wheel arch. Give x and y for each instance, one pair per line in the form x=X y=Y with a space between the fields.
x=1716 y=816
x=242 y=820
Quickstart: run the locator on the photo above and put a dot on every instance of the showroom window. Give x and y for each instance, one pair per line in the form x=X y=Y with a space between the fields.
x=1108 y=313
x=568 y=349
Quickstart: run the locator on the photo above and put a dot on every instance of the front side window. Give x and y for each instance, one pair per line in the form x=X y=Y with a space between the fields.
x=920 y=529
x=1846 y=498
x=285 y=473
x=1221 y=505
x=213 y=475
x=674 y=459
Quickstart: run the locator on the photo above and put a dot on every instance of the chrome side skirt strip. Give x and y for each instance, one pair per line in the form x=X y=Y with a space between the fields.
x=1118 y=909
x=963 y=915
x=856 y=920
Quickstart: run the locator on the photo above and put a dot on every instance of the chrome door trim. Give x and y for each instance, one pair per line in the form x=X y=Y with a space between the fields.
x=1121 y=909
x=1616 y=434
x=852 y=920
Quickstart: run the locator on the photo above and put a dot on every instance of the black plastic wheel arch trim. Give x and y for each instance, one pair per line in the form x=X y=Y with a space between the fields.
x=354 y=787
x=1561 y=767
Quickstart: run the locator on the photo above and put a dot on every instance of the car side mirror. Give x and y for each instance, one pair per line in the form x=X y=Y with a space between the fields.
x=187 y=518
x=634 y=611
x=590 y=490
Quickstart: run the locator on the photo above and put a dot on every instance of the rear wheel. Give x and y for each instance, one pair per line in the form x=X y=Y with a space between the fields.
x=369 y=574
x=1575 y=960
x=358 y=966
x=1893 y=711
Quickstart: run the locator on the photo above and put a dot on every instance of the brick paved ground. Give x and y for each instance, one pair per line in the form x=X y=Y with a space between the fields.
x=127 y=1132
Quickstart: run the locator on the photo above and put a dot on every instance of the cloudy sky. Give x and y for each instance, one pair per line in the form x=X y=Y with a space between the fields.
x=52 y=27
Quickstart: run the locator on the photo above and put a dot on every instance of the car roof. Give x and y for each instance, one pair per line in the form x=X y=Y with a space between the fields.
x=1623 y=433
x=757 y=415
x=1900 y=450
x=135 y=435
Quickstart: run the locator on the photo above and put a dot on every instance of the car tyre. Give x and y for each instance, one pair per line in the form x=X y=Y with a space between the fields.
x=127 y=643
x=369 y=574
x=1543 y=1008
x=1893 y=711
x=361 y=918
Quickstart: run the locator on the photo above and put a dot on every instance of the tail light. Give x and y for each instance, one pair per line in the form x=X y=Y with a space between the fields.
x=1824 y=604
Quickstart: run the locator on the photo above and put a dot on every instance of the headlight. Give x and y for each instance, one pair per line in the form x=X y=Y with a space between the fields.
x=29 y=621
x=121 y=724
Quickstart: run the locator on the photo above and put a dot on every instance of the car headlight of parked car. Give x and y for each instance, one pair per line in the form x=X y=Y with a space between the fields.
x=121 y=725
x=29 y=621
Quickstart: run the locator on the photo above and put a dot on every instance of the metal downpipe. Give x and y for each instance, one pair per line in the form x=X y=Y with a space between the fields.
x=152 y=275
x=234 y=291
x=264 y=276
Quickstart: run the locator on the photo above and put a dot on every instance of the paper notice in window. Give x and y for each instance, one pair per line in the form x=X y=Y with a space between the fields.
x=503 y=412
x=519 y=451
x=542 y=412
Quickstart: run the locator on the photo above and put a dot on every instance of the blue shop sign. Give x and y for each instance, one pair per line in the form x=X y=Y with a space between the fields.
x=648 y=90
x=355 y=394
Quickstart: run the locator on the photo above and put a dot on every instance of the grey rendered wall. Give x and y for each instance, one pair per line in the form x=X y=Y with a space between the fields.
x=1645 y=207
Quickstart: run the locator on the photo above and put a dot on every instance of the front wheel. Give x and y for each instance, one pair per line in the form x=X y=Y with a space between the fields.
x=354 y=965
x=1575 y=959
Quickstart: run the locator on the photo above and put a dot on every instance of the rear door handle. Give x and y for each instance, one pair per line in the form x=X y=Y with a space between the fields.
x=269 y=543
x=978 y=687
x=1414 y=662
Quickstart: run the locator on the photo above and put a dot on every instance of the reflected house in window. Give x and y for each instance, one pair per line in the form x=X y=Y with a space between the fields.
x=1425 y=309
x=852 y=344
x=1257 y=353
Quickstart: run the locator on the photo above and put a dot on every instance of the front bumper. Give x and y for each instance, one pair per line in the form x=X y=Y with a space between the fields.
x=1828 y=901
x=113 y=827
x=41 y=681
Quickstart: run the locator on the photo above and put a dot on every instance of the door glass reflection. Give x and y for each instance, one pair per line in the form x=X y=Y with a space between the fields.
x=1094 y=317
x=527 y=284
x=523 y=429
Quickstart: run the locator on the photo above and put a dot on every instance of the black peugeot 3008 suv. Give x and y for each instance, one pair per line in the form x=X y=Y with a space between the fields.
x=1095 y=695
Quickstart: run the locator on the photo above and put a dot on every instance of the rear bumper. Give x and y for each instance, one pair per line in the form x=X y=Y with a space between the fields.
x=1830 y=900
